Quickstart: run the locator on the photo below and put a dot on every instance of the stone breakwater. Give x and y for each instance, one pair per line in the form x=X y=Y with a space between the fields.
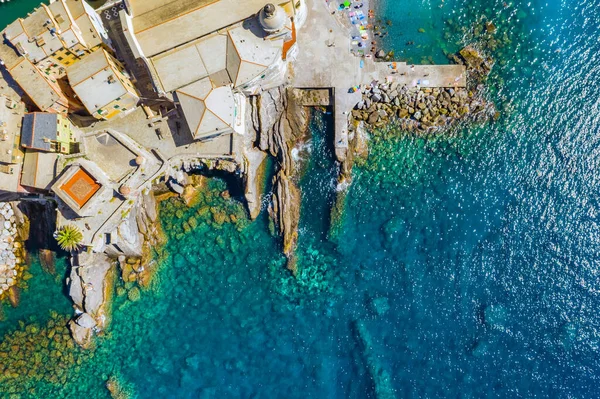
x=417 y=108
x=11 y=249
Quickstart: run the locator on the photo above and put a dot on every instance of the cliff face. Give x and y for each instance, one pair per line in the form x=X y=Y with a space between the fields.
x=279 y=124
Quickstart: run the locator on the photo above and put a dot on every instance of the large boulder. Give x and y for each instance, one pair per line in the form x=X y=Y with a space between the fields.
x=373 y=117
x=86 y=321
x=81 y=335
x=475 y=61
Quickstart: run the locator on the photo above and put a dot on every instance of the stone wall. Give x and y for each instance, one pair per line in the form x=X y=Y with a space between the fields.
x=11 y=251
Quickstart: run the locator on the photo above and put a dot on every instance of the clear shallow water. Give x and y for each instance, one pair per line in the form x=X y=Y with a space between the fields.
x=483 y=244
x=41 y=284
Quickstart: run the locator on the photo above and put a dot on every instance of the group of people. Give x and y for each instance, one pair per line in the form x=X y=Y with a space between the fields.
x=363 y=27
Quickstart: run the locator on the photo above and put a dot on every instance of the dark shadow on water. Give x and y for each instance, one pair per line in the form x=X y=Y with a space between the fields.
x=319 y=179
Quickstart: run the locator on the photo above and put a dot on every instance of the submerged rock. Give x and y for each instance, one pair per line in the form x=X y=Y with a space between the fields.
x=382 y=379
x=380 y=305
x=475 y=61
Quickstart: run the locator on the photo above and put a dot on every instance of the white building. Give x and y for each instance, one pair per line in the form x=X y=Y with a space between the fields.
x=102 y=85
x=231 y=47
x=57 y=35
x=209 y=110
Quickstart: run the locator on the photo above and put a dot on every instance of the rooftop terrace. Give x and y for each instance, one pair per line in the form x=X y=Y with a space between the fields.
x=80 y=187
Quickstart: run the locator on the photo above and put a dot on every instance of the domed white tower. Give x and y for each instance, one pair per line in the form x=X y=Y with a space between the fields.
x=272 y=18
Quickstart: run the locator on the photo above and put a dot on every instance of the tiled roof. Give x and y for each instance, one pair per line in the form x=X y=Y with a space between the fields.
x=80 y=187
x=39 y=128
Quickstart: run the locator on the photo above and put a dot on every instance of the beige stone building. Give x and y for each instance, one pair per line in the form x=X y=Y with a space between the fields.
x=209 y=110
x=45 y=92
x=11 y=155
x=57 y=35
x=102 y=85
x=205 y=54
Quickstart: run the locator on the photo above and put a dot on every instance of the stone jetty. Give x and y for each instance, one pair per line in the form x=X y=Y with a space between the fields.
x=417 y=108
x=320 y=65
x=11 y=256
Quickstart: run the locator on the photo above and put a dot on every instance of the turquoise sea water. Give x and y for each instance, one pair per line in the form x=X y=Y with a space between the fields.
x=466 y=265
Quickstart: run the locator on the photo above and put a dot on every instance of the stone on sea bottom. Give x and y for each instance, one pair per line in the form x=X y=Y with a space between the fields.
x=380 y=305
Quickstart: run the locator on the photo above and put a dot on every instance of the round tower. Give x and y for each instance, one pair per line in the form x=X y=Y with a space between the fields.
x=272 y=18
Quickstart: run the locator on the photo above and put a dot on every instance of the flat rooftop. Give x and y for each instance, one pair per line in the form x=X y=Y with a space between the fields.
x=34 y=84
x=39 y=169
x=186 y=64
x=160 y=26
x=93 y=80
x=110 y=154
x=80 y=187
x=10 y=131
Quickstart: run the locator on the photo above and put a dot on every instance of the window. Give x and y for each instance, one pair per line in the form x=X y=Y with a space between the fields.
x=60 y=58
x=116 y=106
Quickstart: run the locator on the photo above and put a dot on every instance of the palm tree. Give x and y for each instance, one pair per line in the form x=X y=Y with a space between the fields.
x=69 y=238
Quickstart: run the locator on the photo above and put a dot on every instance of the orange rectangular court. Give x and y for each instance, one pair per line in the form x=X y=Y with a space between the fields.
x=81 y=187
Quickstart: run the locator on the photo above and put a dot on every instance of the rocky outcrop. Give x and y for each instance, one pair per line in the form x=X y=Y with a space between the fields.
x=285 y=212
x=141 y=269
x=253 y=158
x=90 y=286
x=280 y=124
x=478 y=65
x=254 y=161
x=150 y=228
x=420 y=109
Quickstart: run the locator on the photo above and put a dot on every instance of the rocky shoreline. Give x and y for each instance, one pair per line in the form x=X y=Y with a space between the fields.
x=92 y=277
x=280 y=125
x=421 y=110
x=425 y=109
x=417 y=108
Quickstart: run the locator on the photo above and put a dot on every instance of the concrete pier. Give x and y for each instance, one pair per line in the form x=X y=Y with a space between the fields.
x=324 y=61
